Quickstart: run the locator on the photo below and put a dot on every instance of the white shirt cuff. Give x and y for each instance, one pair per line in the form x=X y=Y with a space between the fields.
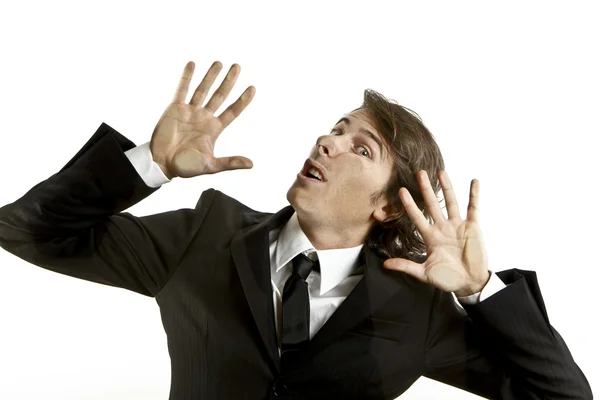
x=141 y=159
x=494 y=285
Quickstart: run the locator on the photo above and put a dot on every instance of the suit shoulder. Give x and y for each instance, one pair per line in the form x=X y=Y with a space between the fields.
x=229 y=210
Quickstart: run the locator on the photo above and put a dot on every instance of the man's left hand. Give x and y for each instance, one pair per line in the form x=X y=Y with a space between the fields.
x=456 y=257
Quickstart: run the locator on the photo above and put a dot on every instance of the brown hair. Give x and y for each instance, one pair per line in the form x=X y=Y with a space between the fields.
x=412 y=148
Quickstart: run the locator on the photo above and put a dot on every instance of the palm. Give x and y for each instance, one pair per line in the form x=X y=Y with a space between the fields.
x=191 y=135
x=185 y=136
x=456 y=257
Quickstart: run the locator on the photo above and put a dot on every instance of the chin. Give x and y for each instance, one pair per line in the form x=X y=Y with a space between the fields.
x=291 y=196
x=295 y=198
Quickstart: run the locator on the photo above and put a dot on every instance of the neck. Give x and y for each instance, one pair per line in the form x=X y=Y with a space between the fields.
x=324 y=236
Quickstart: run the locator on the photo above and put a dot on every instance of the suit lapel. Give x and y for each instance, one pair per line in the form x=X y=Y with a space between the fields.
x=377 y=287
x=250 y=252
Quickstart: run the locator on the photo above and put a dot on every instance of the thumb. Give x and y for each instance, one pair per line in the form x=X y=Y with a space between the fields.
x=403 y=265
x=234 y=162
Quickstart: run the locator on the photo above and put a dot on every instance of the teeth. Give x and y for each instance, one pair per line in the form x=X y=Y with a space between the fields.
x=315 y=172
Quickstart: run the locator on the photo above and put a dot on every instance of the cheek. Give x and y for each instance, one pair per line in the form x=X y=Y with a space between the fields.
x=359 y=184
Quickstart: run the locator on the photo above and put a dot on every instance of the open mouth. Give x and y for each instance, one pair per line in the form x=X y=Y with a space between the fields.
x=313 y=173
x=312 y=170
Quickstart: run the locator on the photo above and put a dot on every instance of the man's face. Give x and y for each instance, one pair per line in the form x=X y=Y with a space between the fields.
x=354 y=166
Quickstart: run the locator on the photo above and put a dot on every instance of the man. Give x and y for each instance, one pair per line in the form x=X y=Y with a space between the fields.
x=333 y=297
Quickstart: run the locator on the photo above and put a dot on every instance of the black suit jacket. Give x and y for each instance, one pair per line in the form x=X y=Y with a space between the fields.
x=208 y=268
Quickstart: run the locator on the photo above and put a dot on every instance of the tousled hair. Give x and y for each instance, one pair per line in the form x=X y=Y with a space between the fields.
x=412 y=148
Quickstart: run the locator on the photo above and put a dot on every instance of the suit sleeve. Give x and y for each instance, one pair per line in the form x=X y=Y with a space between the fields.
x=503 y=347
x=72 y=223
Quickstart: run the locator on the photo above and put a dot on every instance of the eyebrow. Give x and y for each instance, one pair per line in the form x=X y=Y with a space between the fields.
x=364 y=132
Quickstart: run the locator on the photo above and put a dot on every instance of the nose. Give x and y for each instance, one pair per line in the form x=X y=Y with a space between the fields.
x=327 y=145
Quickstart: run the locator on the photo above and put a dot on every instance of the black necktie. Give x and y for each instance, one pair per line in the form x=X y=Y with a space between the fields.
x=295 y=308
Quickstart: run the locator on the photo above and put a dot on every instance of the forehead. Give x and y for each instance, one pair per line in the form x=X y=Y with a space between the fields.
x=363 y=118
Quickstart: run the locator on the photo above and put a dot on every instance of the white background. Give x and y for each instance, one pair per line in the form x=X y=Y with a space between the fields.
x=510 y=92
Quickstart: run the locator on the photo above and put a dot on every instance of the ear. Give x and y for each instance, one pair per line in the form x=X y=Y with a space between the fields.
x=387 y=213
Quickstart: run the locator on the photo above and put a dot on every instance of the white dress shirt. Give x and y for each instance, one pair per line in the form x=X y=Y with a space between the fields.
x=339 y=269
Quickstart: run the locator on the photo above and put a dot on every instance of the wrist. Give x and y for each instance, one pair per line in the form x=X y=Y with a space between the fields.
x=159 y=161
x=165 y=171
x=474 y=288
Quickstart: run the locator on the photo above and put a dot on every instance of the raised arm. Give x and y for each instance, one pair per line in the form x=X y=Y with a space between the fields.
x=73 y=222
x=503 y=347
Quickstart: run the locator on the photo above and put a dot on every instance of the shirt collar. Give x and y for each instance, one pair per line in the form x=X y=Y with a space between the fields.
x=335 y=264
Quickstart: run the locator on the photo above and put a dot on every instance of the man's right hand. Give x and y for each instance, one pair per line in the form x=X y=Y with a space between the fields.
x=183 y=141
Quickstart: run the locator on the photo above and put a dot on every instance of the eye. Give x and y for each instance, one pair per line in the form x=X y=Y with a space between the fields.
x=366 y=150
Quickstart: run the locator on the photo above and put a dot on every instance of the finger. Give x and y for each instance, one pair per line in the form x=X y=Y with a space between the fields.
x=410 y=267
x=222 y=92
x=431 y=201
x=230 y=163
x=414 y=213
x=449 y=196
x=473 y=208
x=184 y=83
x=208 y=80
x=236 y=108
